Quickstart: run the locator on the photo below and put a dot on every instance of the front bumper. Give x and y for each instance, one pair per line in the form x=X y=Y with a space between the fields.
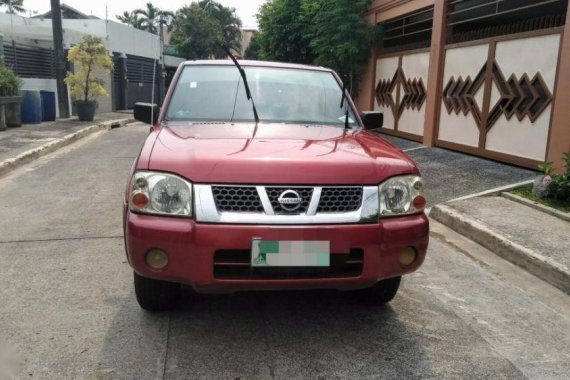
x=191 y=248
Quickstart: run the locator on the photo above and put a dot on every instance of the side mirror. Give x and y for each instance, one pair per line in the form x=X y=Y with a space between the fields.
x=372 y=120
x=146 y=113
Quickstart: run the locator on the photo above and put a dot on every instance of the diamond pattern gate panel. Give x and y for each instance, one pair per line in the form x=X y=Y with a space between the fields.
x=401 y=92
x=497 y=97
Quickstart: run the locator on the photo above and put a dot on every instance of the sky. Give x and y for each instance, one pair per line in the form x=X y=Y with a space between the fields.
x=246 y=9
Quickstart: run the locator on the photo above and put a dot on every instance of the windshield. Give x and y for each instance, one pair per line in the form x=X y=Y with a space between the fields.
x=217 y=94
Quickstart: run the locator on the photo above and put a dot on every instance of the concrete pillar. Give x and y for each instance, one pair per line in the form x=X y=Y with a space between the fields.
x=559 y=139
x=365 y=99
x=435 y=75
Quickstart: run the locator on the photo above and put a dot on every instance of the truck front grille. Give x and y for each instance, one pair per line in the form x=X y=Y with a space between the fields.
x=237 y=199
x=248 y=199
x=235 y=264
x=340 y=199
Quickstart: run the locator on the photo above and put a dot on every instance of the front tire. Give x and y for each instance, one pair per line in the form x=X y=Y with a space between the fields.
x=380 y=293
x=156 y=295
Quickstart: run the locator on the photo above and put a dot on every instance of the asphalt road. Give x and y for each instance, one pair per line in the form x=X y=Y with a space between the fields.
x=450 y=175
x=67 y=306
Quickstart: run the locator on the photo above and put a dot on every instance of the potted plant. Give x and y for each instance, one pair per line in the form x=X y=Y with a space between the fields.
x=87 y=56
x=10 y=99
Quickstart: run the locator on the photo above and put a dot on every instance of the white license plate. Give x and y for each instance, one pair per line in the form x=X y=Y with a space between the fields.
x=280 y=253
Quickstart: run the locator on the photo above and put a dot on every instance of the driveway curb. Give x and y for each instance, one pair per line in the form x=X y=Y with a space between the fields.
x=22 y=159
x=533 y=262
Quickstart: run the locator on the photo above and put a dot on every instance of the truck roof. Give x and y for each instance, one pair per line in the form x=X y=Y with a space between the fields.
x=227 y=62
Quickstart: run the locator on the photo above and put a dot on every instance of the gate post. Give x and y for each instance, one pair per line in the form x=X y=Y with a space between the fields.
x=559 y=137
x=435 y=74
x=122 y=63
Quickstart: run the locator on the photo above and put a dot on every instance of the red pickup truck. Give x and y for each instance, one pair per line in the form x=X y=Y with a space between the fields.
x=263 y=176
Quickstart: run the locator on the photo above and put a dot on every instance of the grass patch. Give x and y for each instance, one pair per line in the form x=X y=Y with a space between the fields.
x=526 y=192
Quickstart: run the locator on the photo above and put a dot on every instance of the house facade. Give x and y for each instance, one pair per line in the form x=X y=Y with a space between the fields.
x=485 y=77
x=26 y=45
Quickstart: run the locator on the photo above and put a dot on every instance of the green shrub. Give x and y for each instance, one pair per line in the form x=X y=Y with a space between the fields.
x=10 y=84
x=558 y=185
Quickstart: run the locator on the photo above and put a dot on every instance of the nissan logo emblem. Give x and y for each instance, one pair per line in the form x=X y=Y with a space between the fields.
x=290 y=200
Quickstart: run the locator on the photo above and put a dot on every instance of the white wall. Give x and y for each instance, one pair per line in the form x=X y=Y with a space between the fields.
x=117 y=37
x=128 y=40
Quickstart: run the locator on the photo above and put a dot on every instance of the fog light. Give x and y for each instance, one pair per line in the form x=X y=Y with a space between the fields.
x=156 y=259
x=408 y=256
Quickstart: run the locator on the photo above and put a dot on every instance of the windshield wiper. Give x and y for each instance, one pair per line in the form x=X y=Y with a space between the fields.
x=246 y=85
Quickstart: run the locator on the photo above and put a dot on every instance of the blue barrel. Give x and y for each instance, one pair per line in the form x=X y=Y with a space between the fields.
x=31 y=107
x=48 y=105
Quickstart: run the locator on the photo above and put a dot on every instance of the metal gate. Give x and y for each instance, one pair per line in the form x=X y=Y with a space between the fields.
x=401 y=74
x=30 y=61
x=497 y=92
x=140 y=80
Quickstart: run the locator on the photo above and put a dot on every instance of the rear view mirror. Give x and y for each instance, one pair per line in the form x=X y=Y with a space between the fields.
x=372 y=120
x=146 y=113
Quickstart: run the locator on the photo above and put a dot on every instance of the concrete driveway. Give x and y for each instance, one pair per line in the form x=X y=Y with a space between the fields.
x=68 y=309
x=451 y=175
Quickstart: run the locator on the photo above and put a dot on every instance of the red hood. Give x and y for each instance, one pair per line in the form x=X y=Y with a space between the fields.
x=276 y=154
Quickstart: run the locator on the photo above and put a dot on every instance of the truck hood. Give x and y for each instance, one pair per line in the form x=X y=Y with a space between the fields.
x=276 y=154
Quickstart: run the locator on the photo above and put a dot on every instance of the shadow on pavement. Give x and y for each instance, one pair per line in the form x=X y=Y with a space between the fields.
x=314 y=334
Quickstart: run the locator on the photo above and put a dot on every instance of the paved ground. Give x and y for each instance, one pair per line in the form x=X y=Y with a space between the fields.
x=451 y=175
x=402 y=143
x=68 y=306
x=14 y=141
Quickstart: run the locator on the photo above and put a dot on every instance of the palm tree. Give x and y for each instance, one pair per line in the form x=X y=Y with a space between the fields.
x=151 y=17
x=14 y=6
x=229 y=23
x=131 y=19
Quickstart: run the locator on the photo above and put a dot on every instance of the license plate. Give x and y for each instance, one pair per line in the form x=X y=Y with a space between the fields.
x=280 y=253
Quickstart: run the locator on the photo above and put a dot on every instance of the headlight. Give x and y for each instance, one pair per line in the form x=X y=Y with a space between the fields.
x=160 y=193
x=401 y=196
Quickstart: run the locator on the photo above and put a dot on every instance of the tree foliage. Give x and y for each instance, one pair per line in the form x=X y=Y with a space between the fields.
x=196 y=33
x=147 y=18
x=283 y=32
x=229 y=25
x=341 y=38
x=204 y=28
x=87 y=56
x=330 y=33
x=14 y=6
x=254 y=47
x=131 y=19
